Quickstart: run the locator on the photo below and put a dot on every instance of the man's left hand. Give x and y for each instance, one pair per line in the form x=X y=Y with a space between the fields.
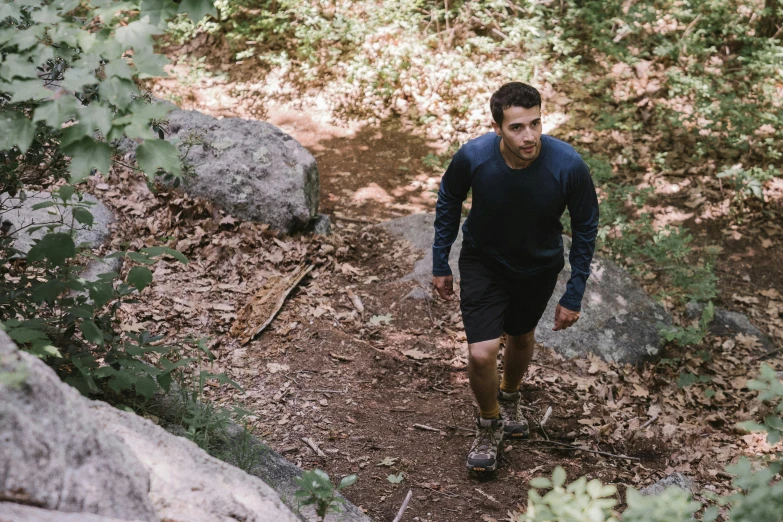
x=564 y=318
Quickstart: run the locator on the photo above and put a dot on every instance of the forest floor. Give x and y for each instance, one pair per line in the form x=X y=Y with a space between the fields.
x=383 y=392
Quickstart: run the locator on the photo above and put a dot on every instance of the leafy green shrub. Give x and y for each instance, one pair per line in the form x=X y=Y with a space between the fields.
x=56 y=315
x=67 y=95
x=758 y=496
x=689 y=335
x=315 y=489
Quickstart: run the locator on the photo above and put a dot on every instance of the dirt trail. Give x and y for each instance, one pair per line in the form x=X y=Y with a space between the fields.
x=384 y=394
x=399 y=421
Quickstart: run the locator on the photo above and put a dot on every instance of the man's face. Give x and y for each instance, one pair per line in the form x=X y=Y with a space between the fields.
x=521 y=132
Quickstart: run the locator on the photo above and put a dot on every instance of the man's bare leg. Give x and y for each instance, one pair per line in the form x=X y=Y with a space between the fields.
x=483 y=376
x=516 y=359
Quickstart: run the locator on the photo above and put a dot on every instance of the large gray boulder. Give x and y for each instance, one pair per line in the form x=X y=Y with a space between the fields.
x=55 y=455
x=251 y=169
x=64 y=453
x=619 y=321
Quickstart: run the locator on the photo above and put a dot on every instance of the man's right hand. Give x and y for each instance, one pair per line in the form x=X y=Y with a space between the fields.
x=445 y=286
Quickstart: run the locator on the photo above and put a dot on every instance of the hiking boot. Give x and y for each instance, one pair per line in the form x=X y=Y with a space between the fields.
x=516 y=426
x=486 y=448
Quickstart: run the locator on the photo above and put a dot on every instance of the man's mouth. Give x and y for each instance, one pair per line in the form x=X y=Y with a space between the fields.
x=529 y=149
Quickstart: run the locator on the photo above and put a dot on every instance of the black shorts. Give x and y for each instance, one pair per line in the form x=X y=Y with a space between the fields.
x=493 y=301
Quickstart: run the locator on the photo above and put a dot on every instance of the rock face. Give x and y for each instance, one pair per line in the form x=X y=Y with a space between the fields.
x=619 y=320
x=419 y=230
x=727 y=323
x=676 y=479
x=65 y=453
x=251 y=169
x=54 y=453
x=21 y=214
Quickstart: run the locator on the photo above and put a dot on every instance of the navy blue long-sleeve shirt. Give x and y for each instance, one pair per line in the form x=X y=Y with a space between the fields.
x=515 y=215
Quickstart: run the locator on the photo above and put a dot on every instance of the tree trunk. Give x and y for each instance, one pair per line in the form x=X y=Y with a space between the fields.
x=771 y=21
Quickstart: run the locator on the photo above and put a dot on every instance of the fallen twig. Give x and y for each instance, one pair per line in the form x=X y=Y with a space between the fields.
x=355 y=301
x=545 y=419
x=404 y=506
x=444 y=493
x=487 y=496
x=427 y=428
x=764 y=355
x=578 y=448
x=313 y=446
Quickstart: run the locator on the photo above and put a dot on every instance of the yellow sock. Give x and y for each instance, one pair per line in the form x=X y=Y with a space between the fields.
x=491 y=414
x=509 y=387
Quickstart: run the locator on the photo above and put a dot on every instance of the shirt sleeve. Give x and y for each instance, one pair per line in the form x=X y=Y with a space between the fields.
x=454 y=187
x=582 y=203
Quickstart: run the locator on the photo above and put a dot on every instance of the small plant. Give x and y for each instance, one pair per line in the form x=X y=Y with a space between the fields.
x=315 y=489
x=771 y=390
x=689 y=335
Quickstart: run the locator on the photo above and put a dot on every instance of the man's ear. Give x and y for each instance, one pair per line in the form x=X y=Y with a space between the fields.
x=496 y=127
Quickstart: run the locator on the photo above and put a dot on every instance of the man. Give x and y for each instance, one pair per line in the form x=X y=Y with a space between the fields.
x=512 y=252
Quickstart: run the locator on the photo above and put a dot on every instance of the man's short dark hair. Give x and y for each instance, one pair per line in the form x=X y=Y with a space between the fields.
x=513 y=94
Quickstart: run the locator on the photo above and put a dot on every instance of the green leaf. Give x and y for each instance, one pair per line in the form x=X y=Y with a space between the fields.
x=149 y=64
x=87 y=154
x=25 y=335
x=558 y=476
x=117 y=91
x=540 y=483
x=43 y=204
x=107 y=10
x=48 y=291
x=140 y=258
x=100 y=293
x=159 y=250
x=350 y=480
x=158 y=11
x=24 y=90
x=686 y=379
x=139 y=277
x=55 y=246
x=154 y=154
x=18 y=66
x=118 y=68
x=95 y=116
x=27 y=38
x=75 y=79
x=56 y=112
x=146 y=387
x=65 y=34
x=137 y=34
x=83 y=216
x=91 y=332
x=395 y=479
x=45 y=15
x=9 y=11
x=120 y=382
x=198 y=9
x=65 y=193
x=18 y=131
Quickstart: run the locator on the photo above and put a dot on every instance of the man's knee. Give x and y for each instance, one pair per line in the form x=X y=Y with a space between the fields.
x=484 y=353
x=522 y=340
